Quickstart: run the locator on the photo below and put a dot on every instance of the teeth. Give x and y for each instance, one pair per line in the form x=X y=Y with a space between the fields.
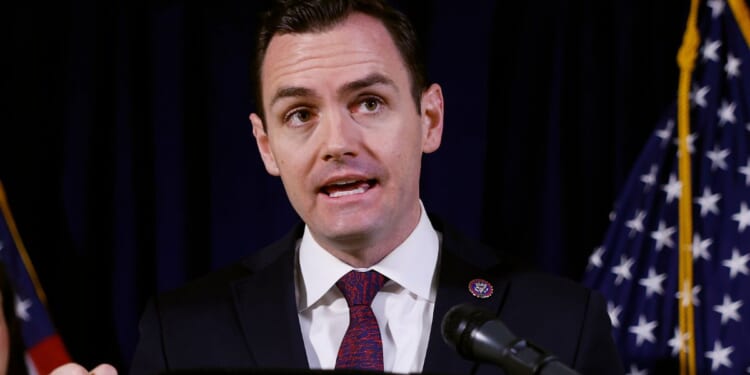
x=347 y=192
x=344 y=182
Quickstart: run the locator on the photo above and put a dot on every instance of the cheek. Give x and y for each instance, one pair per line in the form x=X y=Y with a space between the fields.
x=286 y=164
x=404 y=158
x=285 y=152
x=293 y=170
x=406 y=145
x=294 y=154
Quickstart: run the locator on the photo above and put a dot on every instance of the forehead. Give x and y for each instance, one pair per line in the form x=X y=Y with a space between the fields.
x=357 y=46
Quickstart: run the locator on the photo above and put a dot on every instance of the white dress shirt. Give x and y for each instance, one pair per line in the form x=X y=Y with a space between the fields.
x=403 y=307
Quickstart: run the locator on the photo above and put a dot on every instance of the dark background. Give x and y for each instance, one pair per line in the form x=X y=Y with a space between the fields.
x=130 y=165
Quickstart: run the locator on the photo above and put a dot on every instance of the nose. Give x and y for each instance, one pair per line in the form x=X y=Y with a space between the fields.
x=340 y=136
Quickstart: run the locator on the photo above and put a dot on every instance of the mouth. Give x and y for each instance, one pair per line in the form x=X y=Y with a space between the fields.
x=345 y=188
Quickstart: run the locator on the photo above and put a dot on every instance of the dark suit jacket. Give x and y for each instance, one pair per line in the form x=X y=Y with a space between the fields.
x=245 y=316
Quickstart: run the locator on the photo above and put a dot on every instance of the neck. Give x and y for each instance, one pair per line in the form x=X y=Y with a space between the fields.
x=362 y=253
x=367 y=248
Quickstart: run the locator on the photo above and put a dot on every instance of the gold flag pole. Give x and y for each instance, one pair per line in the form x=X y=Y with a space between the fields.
x=686 y=60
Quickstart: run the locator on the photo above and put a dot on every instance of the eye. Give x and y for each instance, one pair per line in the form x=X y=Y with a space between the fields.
x=370 y=104
x=298 y=117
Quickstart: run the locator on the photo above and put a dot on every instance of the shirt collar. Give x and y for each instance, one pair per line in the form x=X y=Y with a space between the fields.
x=411 y=264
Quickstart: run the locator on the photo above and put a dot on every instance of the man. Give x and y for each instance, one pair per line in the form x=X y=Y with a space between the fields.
x=345 y=116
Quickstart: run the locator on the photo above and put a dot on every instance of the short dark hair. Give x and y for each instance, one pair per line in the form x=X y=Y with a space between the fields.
x=305 y=16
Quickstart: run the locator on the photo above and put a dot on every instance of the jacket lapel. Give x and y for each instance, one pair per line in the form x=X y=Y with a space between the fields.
x=459 y=265
x=267 y=310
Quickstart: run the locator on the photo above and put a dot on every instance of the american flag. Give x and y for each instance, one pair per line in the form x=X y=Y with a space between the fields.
x=44 y=348
x=637 y=265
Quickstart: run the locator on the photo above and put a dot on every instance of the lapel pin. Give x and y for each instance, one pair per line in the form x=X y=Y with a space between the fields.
x=481 y=288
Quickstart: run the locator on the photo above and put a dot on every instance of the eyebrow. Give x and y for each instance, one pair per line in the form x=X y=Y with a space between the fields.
x=370 y=80
x=290 y=92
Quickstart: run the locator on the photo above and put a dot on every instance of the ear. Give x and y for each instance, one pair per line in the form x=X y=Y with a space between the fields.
x=261 y=139
x=432 y=117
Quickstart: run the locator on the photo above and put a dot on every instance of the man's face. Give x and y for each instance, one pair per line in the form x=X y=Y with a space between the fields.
x=344 y=134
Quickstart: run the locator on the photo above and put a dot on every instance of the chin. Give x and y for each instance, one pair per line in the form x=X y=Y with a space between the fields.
x=349 y=228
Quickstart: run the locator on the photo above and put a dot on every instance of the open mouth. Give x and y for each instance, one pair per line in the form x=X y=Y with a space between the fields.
x=346 y=188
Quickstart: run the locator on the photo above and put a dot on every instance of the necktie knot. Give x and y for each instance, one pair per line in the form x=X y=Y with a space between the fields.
x=360 y=288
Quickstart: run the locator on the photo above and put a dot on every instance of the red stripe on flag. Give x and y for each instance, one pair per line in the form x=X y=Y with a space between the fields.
x=48 y=354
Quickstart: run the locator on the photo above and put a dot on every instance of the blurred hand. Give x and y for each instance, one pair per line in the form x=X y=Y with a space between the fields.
x=76 y=369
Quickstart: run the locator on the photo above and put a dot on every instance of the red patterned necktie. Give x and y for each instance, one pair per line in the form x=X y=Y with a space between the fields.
x=362 y=347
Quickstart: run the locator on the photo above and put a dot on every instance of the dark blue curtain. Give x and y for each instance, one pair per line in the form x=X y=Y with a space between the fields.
x=131 y=168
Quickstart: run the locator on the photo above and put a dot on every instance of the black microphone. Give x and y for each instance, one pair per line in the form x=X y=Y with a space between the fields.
x=478 y=336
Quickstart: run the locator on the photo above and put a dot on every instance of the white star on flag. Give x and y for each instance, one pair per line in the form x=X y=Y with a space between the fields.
x=636 y=223
x=678 y=341
x=653 y=282
x=728 y=309
x=700 y=247
x=717 y=7
x=719 y=356
x=726 y=113
x=649 y=179
x=663 y=236
x=710 y=49
x=698 y=96
x=718 y=157
x=644 y=331
x=22 y=309
x=708 y=202
x=745 y=170
x=737 y=264
x=634 y=370
x=614 y=314
x=595 y=259
x=687 y=295
x=690 y=143
x=733 y=66
x=673 y=188
x=742 y=218
x=622 y=270
x=666 y=133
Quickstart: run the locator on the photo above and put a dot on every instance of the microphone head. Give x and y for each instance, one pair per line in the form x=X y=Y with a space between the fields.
x=458 y=325
x=477 y=335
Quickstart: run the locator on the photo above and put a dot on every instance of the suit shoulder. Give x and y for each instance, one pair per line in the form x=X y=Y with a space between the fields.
x=538 y=297
x=217 y=284
x=546 y=284
x=210 y=286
